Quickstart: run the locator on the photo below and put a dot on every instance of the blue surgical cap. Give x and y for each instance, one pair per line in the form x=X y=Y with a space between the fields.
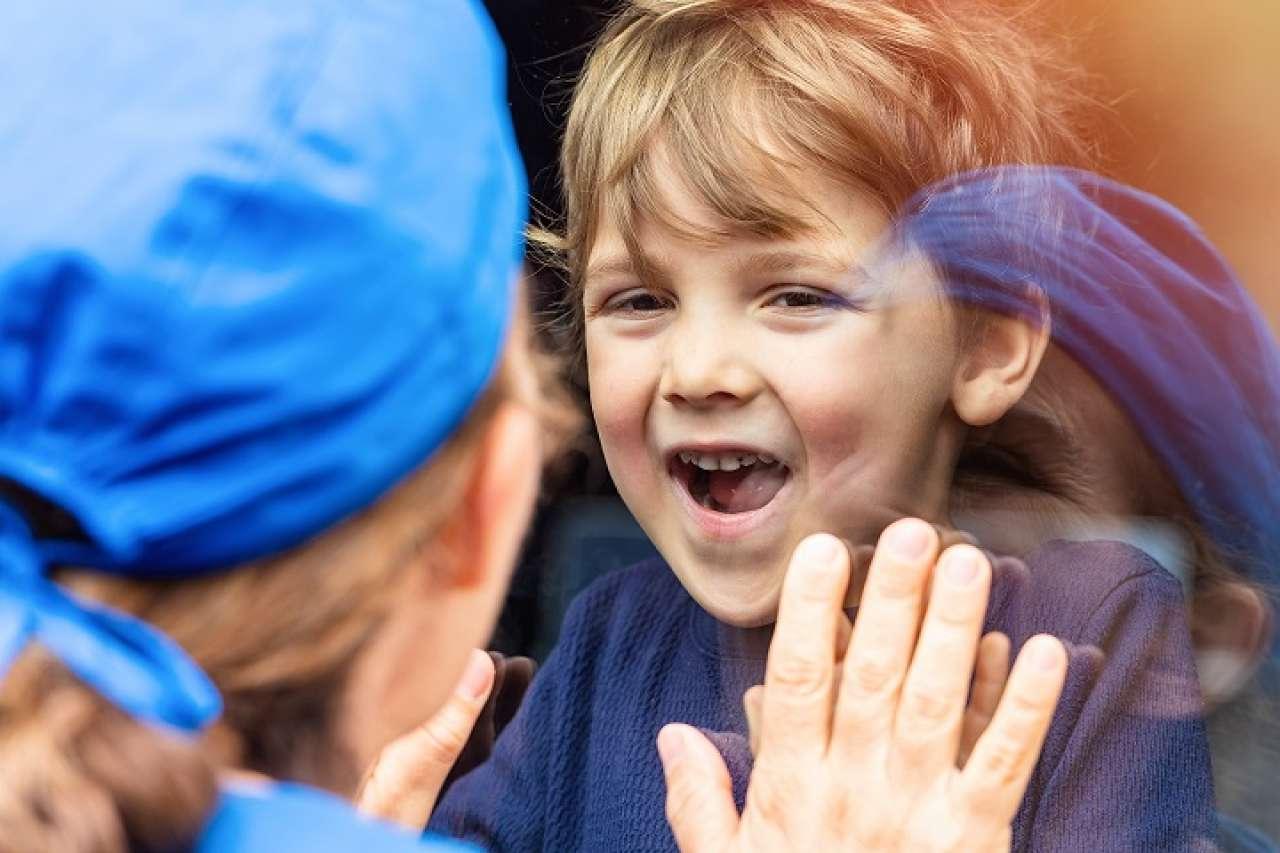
x=1141 y=299
x=256 y=265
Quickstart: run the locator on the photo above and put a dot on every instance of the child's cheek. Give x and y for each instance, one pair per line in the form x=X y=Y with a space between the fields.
x=620 y=401
x=835 y=410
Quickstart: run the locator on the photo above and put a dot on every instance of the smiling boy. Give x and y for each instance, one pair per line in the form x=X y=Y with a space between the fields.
x=750 y=391
x=759 y=372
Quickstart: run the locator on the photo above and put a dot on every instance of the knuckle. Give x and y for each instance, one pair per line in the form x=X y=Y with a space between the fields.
x=1000 y=764
x=1025 y=707
x=681 y=805
x=799 y=678
x=958 y=612
x=928 y=707
x=442 y=743
x=871 y=674
x=899 y=585
x=765 y=796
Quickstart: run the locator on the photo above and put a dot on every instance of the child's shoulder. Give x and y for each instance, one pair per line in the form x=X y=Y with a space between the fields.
x=1076 y=589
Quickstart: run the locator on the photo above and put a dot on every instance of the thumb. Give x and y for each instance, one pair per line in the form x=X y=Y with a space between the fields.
x=405 y=780
x=700 y=804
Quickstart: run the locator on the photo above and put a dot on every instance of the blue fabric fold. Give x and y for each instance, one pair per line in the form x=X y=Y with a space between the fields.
x=256 y=266
x=135 y=666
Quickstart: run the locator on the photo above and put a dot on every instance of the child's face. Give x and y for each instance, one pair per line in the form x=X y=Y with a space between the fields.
x=821 y=399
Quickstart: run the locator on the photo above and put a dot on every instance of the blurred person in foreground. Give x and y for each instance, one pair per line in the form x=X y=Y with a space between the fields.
x=267 y=447
x=269 y=437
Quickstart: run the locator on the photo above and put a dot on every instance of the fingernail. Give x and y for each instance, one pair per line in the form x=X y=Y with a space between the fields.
x=822 y=549
x=1045 y=655
x=670 y=745
x=908 y=539
x=477 y=676
x=962 y=566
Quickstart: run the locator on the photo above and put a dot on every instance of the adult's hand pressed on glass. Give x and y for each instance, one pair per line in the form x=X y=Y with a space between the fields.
x=868 y=759
x=413 y=771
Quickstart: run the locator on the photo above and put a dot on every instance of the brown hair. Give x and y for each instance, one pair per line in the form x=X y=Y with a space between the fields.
x=884 y=95
x=276 y=636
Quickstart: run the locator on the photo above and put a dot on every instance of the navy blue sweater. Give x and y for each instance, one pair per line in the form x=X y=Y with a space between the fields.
x=1125 y=765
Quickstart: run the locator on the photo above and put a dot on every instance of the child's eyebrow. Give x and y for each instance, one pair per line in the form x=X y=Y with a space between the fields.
x=649 y=269
x=614 y=265
x=783 y=260
x=766 y=262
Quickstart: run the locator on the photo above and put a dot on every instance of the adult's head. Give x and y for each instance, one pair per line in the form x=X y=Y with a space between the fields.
x=1156 y=413
x=257 y=269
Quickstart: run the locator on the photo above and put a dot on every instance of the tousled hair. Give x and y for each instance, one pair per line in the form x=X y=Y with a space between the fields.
x=884 y=96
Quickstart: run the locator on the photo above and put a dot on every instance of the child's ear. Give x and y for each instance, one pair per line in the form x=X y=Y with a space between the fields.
x=998 y=363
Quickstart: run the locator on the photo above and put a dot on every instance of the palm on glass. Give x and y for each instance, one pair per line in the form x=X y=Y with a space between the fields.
x=874 y=744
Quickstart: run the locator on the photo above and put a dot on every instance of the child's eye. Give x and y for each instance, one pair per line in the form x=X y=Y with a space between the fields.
x=806 y=298
x=635 y=303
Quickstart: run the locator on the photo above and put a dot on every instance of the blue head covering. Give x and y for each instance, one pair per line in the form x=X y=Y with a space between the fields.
x=255 y=266
x=1145 y=303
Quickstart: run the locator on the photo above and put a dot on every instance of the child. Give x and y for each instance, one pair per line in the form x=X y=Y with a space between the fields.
x=727 y=165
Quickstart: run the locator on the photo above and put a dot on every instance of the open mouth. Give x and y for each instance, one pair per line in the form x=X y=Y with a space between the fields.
x=729 y=482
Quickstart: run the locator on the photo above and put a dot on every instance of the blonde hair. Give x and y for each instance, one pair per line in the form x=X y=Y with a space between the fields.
x=276 y=636
x=886 y=96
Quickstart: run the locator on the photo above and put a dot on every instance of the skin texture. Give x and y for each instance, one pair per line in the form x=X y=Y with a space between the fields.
x=859 y=386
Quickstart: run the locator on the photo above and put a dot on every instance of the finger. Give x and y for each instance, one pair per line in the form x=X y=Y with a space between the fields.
x=931 y=708
x=1000 y=766
x=700 y=805
x=519 y=675
x=884 y=632
x=484 y=731
x=800 y=672
x=752 y=701
x=989 y=677
x=404 y=782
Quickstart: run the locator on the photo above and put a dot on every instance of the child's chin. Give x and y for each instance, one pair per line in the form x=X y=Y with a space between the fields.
x=740 y=608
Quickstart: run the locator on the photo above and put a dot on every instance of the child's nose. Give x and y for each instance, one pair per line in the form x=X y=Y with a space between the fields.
x=707 y=370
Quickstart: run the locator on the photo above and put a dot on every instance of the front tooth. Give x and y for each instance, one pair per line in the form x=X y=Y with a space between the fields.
x=729 y=463
x=707 y=463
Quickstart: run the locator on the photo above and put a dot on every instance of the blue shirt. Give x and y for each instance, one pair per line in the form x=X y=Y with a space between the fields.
x=1125 y=765
x=284 y=818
